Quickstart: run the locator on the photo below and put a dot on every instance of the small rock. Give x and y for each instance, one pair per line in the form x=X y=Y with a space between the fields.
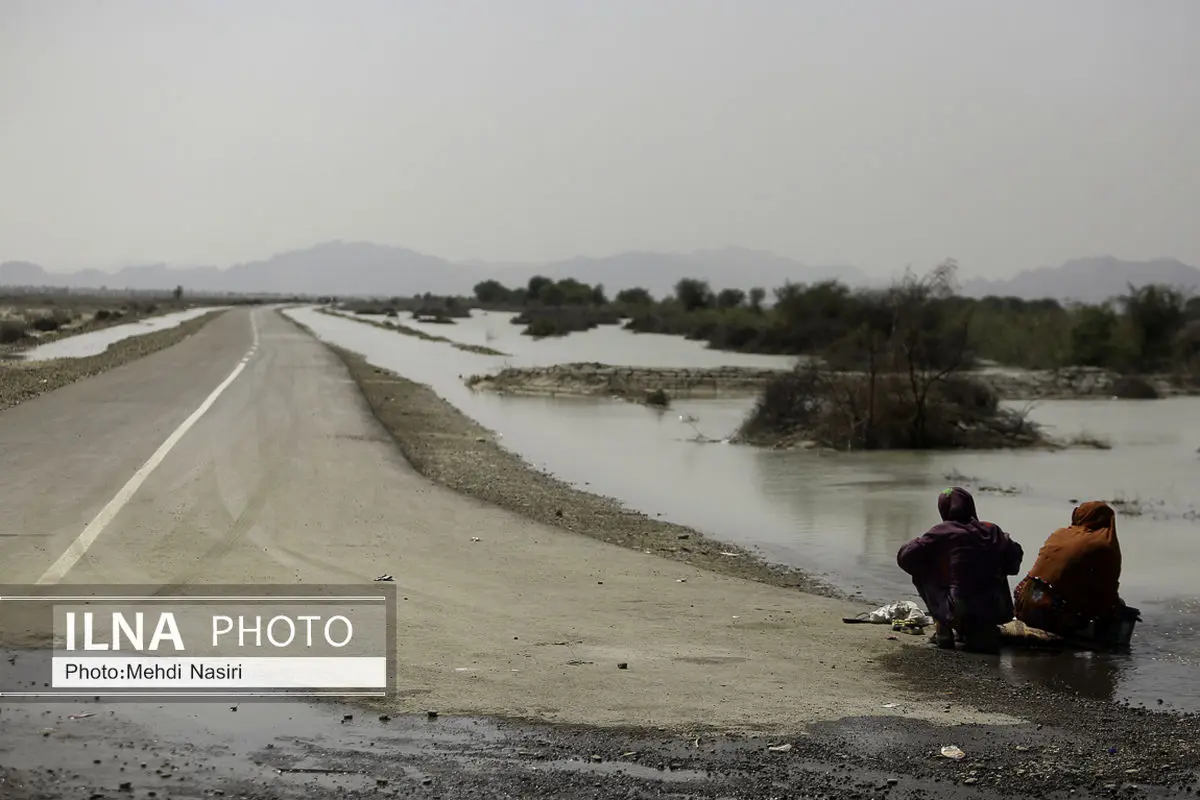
x=622 y=665
x=384 y=718
x=431 y=714
x=126 y=787
x=970 y=781
x=347 y=717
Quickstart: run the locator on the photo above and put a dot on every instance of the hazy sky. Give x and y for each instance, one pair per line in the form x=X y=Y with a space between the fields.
x=1004 y=133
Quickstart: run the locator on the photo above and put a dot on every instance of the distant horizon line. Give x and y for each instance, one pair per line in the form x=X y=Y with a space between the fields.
x=504 y=264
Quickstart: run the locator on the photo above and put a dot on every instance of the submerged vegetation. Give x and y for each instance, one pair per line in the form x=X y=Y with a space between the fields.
x=1149 y=329
x=897 y=380
x=891 y=367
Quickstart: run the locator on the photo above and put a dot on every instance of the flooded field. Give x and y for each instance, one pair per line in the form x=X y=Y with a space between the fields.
x=843 y=516
x=95 y=342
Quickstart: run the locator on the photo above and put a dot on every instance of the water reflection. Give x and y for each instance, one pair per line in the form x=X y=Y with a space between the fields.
x=841 y=516
x=1092 y=675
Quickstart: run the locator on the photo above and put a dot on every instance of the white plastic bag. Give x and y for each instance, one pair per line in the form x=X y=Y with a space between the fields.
x=904 y=610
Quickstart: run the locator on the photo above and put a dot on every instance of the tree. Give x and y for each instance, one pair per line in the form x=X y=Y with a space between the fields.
x=1091 y=337
x=1155 y=315
x=550 y=294
x=757 y=296
x=636 y=296
x=178 y=293
x=693 y=294
x=567 y=291
x=533 y=291
x=730 y=298
x=491 y=292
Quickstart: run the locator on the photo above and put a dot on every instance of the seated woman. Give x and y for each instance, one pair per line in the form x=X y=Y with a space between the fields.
x=1075 y=578
x=960 y=568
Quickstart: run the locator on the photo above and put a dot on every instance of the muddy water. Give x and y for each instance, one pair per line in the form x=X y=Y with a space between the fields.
x=96 y=342
x=607 y=344
x=843 y=516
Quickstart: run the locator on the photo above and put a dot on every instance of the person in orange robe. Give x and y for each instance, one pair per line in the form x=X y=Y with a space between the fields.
x=1076 y=576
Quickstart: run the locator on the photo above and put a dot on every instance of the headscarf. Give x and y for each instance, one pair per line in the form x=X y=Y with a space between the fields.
x=961 y=537
x=1082 y=562
x=957 y=505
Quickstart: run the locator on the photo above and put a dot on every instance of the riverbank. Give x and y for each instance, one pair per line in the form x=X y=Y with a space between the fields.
x=397 y=327
x=630 y=383
x=29 y=321
x=1065 y=743
x=450 y=448
x=635 y=383
x=22 y=381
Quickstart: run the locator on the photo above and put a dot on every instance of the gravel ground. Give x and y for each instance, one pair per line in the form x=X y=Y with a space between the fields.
x=21 y=381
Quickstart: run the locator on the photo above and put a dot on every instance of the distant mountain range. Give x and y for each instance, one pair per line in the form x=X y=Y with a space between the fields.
x=365 y=269
x=1088 y=280
x=360 y=268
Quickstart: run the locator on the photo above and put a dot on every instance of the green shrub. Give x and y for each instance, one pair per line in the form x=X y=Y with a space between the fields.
x=657 y=397
x=13 y=331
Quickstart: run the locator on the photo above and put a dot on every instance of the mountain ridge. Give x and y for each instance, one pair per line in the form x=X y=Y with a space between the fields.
x=365 y=268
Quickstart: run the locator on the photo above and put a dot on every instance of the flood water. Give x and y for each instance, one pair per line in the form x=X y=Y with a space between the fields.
x=843 y=516
x=96 y=342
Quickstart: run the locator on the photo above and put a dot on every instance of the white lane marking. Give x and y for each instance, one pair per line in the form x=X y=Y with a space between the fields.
x=79 y=547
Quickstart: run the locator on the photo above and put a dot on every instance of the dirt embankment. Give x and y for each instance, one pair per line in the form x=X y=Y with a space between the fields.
x=396 y=327
x=24 y=380
x=632 y=383
x=583 y=379
x=449 y=447
x=37 y=320
x=1079 y=383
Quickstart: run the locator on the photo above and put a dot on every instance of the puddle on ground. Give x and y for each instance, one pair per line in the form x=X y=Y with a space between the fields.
x=324 y=778
x=623 y=768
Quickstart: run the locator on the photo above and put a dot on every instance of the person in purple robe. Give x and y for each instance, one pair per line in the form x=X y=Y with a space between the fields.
x=961 y=568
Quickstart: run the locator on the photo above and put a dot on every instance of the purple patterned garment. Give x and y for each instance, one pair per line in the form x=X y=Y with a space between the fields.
x=960 y=566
